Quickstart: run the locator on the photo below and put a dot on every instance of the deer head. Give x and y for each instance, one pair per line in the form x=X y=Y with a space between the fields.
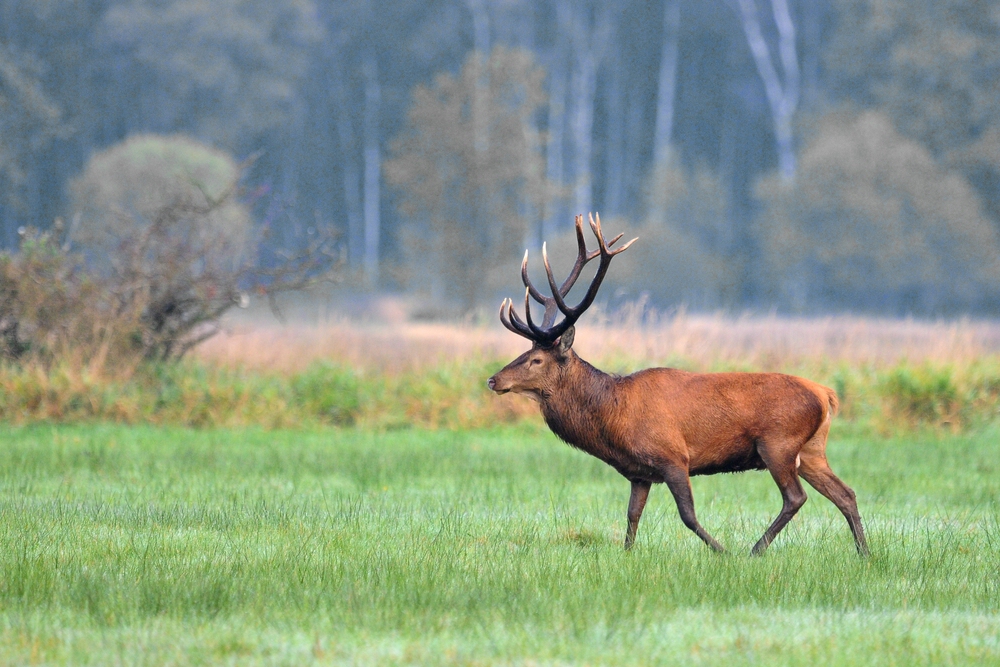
x=540 y=370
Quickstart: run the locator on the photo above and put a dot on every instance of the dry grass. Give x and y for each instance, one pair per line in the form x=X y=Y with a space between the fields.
x=697 y=341
x=890 y=374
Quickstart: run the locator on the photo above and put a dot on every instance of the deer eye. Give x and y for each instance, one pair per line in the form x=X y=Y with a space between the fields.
x=535 y=361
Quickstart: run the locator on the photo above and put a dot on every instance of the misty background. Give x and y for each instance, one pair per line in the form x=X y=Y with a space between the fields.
x=805 y=156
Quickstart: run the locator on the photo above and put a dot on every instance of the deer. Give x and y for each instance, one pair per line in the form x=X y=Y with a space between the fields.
x=664 y=425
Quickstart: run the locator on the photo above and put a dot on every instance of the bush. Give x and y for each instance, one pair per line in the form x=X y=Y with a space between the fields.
x=331 y=393
x=50 y=307
x=163 y=230
x=923 y=394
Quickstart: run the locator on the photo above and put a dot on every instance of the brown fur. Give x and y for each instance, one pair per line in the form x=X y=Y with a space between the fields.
x=664 y=425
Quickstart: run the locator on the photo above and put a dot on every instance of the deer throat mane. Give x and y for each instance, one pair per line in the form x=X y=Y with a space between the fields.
x=574 y=412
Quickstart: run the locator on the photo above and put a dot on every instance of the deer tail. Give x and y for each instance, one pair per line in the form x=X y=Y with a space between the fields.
x=834 y=402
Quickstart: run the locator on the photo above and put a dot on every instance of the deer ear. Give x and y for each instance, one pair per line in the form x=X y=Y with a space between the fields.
x=566 y=340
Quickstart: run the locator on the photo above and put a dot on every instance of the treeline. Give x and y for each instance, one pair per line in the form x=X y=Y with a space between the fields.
x=805 y=155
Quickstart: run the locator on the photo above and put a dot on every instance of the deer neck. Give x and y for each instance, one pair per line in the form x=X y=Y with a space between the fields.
x=576 y=411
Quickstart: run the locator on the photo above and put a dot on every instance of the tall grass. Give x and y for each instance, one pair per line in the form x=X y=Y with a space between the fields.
x=889 y=375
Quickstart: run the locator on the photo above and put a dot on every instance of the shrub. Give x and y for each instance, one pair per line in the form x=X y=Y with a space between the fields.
x=50 y=307
x=161 y=225
x=331 y=393
x=923 y=394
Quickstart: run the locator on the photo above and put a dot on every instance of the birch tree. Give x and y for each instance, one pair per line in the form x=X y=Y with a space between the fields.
x=781 y=85
x=591 y=37
x=667 y=82
x=373 y=168
x=558 y=66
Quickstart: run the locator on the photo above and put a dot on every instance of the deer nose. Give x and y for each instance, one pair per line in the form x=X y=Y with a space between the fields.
x=491 y=383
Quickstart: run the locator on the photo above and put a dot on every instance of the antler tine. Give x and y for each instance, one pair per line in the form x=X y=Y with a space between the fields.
x=582 y=258
x=536 y=295
x=557 y=295
x=551 y=309
x=625 y=247
x=510 y=320
x=548 y=332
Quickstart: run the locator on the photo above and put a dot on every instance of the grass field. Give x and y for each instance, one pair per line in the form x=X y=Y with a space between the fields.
x=140 y=545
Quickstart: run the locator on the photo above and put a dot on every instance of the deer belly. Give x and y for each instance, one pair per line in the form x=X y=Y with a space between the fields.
x=742 y=456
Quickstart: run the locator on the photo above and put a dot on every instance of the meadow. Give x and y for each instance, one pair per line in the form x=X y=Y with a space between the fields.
x=140 y=545
x=340 y=494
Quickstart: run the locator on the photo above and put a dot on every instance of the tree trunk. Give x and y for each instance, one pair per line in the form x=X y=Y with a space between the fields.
x=481 y=45
x=667 y=87
x=782 y=96
x=635 y=139
x=351 y=175
x=556 y=146
x=373 y=168
x=589 y=43
x=614 y=188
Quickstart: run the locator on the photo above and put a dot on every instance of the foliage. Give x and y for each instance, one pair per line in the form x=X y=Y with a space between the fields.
x=490 y=547
x=930 y=66
x=160 y=220
x=51 y=309
x=873 y=221
x=29 y=121
x=469 y=172
x=923 y=394
x=154 y=200
x=202 y=396
x=249 y=58
x=450 y=395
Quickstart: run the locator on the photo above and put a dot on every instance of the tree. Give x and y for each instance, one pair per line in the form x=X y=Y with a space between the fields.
x=780 y=84
x=227 y=71
x=467 y=202
x=685 y=251
x=874 y=222
x=29 y=120
x=932 y=67
x=123 y=190
x=161 y=224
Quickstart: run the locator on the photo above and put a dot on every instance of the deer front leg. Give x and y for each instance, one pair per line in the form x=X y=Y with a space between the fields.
x=636 y=503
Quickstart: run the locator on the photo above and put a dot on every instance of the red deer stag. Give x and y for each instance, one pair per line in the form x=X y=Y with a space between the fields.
x=663 y=424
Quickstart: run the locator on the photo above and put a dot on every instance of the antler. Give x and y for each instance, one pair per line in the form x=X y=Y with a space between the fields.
x=547 y=334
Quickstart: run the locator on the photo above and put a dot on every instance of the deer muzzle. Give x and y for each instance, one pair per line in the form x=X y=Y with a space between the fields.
x=492 y=384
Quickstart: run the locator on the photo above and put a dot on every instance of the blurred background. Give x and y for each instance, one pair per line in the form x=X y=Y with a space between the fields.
x=800 y=156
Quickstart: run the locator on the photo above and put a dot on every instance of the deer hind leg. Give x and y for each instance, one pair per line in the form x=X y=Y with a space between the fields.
x=782 y=466
x=636 y=503
x=680 y=486
x=816 y=470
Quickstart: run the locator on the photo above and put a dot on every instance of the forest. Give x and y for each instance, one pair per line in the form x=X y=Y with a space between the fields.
x=803 y=156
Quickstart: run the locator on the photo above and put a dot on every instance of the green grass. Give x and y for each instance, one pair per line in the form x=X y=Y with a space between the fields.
x=144 y=545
